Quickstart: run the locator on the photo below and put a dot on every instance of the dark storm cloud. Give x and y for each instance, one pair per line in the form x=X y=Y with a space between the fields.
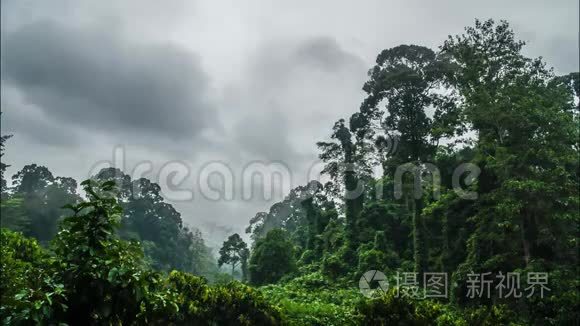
x=95 y=78
x=30 y=122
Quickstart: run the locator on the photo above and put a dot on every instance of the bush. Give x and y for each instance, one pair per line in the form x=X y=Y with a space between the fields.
x=29 y=292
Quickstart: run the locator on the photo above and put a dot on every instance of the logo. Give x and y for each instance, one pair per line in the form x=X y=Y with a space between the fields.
x=371 y=282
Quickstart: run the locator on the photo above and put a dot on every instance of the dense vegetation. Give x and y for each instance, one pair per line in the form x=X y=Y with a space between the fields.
x=478 y=148
x=35 y=204
x=90 y=276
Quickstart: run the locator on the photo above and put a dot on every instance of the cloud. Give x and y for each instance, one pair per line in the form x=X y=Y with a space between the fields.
x=95 y=78
x=293 y=90
x=265 y=136
x=19 y=119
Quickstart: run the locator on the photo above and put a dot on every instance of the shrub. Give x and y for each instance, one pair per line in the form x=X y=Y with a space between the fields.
x=233 y=303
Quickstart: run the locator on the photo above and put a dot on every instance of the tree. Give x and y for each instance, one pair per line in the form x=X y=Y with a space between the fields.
x=3 y=166
x=348 y=164
x=32 y=179
x=234 y=251
x=405 y=79
x=304 y=213
x=288 y=214
x=41 y=197
x=272 y=258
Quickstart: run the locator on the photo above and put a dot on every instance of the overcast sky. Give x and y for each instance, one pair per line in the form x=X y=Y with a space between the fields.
x=229 y=81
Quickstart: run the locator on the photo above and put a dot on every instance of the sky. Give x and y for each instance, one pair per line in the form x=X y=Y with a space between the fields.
x=181 y=91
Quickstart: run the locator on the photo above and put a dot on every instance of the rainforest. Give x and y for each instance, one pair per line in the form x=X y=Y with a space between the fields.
x=448 y=197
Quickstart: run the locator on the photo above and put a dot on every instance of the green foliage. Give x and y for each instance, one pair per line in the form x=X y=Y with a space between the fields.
x=272 y=258
x=389 y=309
x=103 y=276
x=313 y=299
x=240 y=303
x=35 y=207
x=29 y=291
x=93 y=277
x=231 y=303
x=335 y=265
x=392 y=309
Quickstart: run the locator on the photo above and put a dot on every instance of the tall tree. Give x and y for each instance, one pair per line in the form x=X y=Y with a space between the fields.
x=348 y=164
x=406 y=80
x=3 y=166
x=289 y=214
x=234 y=252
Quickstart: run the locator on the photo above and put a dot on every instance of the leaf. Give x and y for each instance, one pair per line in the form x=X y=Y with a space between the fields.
x=112 y=274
